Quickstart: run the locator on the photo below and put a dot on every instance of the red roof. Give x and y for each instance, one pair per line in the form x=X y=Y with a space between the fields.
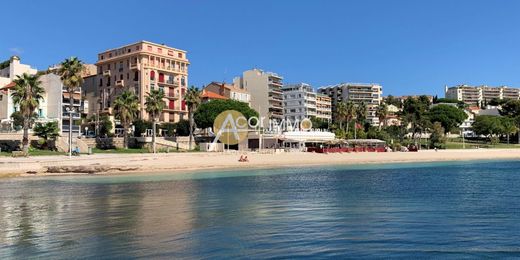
x=10 y=85
x=212 y=95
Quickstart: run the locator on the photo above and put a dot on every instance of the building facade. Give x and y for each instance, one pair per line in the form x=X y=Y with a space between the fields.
x=140 y=67
x=265 y=89
x=56 y=105
x=231 y=91
x=358 y=93
x=299 y=102
x=9 y=69
x=323 y=107
x=479 y=95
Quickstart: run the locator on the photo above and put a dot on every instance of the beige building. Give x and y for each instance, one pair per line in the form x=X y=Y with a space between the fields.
x=323 y=107
x=9 y=69
x=265 y=89
x=140 y=67
x=231 y=91
x=478 y=95
x=369 y=94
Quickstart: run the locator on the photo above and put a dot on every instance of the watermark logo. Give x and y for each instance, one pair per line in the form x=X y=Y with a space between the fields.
x=231 y=127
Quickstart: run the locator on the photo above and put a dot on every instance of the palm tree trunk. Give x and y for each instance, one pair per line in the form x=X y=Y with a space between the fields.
x=348 y=123
x=25 y=139
x=190 y=115
x=153 y=137
x=125 y=136
x=71 y=106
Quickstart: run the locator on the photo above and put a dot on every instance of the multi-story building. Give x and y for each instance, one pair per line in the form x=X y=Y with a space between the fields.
x=266 y=93
x=140 y=67
x=9 y=69
x=478 y=95
x=323 y=107
x=231 y=91
x=55 y=105
x=299 y=102
x=358 y=93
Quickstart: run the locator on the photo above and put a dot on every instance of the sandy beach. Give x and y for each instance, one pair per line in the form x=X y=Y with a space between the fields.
x=182 y=162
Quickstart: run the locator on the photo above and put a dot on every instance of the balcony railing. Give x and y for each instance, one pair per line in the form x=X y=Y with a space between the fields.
x=120 y=83
x=106 y=73
x=74 y=115
x=166 y=68
x=65 y=128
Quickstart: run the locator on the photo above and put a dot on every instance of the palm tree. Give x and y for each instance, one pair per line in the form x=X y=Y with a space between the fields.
x=154 y=106
x=70 y=71
x=350 y=112
x=27 y=93
x=341 y=112
x=361 y=113
x=192 y=99
x=382 y=113
x=126 y=107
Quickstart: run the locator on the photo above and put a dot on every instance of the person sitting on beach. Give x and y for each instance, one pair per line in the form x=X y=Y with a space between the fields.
x=245 y=159
x=241 y=158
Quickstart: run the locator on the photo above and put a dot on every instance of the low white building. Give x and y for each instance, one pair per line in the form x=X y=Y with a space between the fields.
x=9 y=69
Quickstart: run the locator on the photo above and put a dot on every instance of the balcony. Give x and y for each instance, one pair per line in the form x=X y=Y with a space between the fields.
x=169 y=83
x=166 y=68
x=65 y=128
x=134 y=66
x=106 y=73
x=120 y=83
x=172 y=95
x=75 y=115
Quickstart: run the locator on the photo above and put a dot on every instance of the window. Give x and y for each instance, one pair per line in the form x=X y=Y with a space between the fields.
x=127 y=75
x=136 y=48
x=152 y=75
x=152 y=86
x=110 y=55
x=129 y=50
x=121 y=77
x=40 y=112
x=100 y=82
x=102 y=57
x=183 y=105
x=159 y=50
x=170 y=52
x=180 y=55
x=1 y=97
x=150 y=48
x=136 y=76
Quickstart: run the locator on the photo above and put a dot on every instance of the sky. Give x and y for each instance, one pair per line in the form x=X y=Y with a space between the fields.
x=409 y=47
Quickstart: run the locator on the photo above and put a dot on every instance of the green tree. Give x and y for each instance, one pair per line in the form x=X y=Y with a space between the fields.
x=341 y=113
x=415 y=113
x=27 y=94
x=154 y=106
x=47 y=131
x=508 y=127
x=437 y=137
x=206 y=113
x=382 y=113
x=391 y=100
x=70 y=72
x=489 y=126
x=449 y=116
x=319 y=123
x=511 y=109
x=126 y=107
x=193 y=100
x=350 y=113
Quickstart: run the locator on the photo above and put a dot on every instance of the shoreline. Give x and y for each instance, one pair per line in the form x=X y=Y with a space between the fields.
x=123 y=164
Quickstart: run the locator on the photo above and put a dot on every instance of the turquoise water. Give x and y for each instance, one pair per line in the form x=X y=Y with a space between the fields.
x=432 y=210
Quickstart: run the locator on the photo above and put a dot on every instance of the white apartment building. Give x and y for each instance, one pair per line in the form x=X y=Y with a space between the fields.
x=478 y=95
x=265 y=89
x=368 y=93
x=9 y=69
x=299 y=102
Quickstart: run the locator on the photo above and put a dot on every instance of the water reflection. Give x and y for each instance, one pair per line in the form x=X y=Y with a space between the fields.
x=457 y=210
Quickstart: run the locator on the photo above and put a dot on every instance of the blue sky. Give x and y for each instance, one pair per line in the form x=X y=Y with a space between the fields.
x=410 y=47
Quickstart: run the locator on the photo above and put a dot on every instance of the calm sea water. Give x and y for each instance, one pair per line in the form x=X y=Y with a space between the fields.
x=438 y=210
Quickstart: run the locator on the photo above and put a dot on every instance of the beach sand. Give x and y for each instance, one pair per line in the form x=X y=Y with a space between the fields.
x=183 y=162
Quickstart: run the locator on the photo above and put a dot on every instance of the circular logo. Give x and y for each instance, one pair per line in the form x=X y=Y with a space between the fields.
x=306 y=124
x=230 y=127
